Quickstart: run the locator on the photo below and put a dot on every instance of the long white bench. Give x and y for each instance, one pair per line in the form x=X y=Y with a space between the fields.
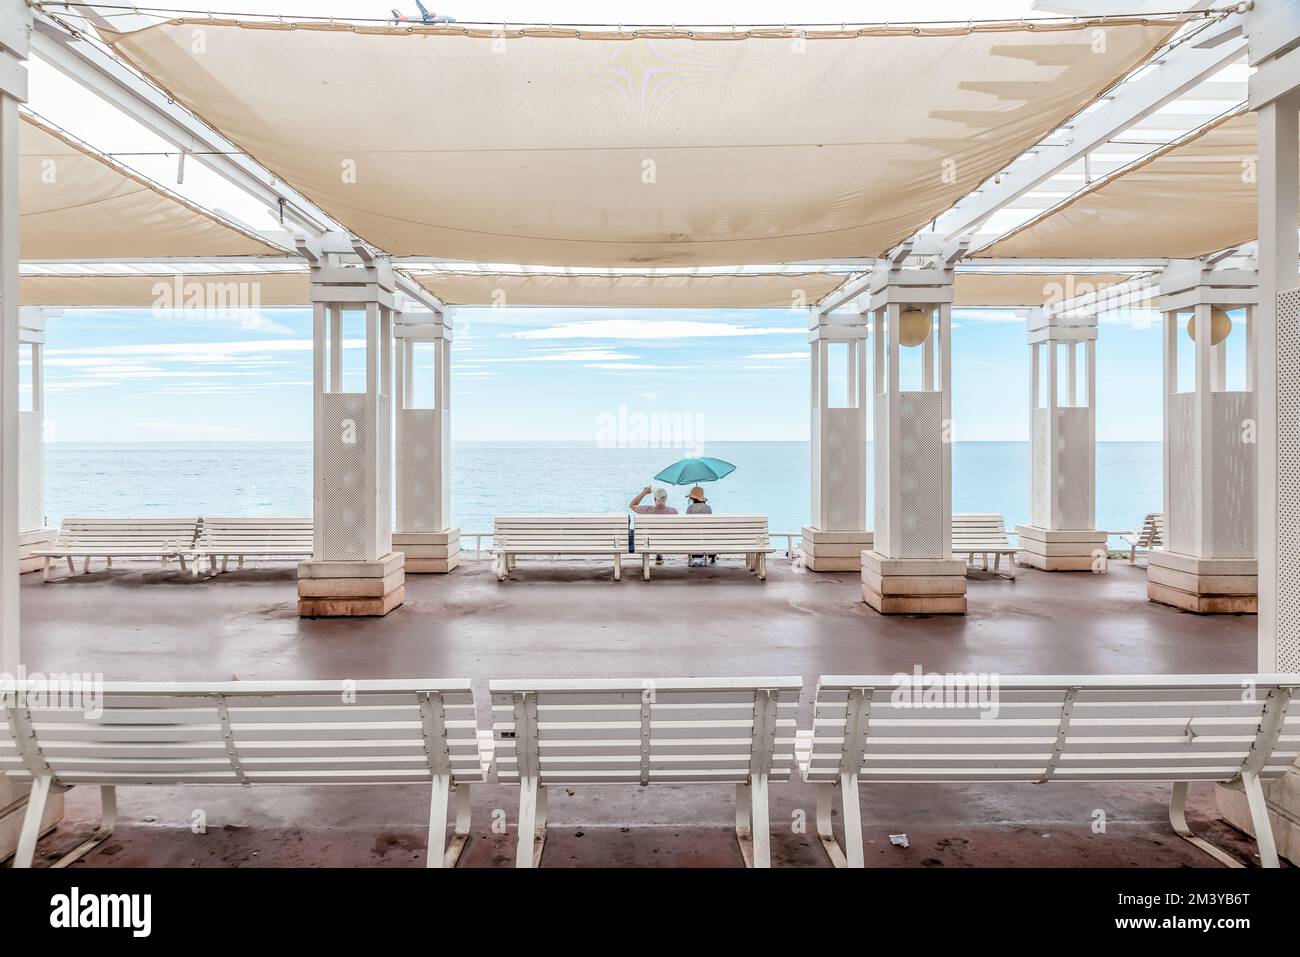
x=1169 y=729
x=252 y=538
x=703 y=535
x=109 y=538
x=556 y=535
x=684 y=731
x=983 y=533
x=250 y=733
x=1150 y=535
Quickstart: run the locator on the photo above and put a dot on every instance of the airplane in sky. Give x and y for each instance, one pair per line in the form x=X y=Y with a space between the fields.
x=424 y=16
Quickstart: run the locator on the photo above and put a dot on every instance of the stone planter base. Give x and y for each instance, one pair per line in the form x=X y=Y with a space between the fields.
x=834 y=551
x=1282 y=796
x=29 y=542
x=1058 y=550
x=1207 y=586
x=351 y=589
x=914 y=586
x=429 y=553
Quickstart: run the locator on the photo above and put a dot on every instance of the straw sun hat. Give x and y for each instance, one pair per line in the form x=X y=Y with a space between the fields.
x=696 y=493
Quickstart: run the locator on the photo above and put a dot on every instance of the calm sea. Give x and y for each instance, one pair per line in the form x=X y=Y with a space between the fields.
x=228 y=478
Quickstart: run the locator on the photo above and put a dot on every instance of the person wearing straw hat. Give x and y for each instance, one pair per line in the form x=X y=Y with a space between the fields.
x=699 y=505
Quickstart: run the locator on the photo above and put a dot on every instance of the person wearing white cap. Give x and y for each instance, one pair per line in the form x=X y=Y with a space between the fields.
x=660 y=507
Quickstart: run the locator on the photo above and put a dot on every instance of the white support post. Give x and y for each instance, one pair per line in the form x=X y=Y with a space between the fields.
x=1274 y=31
x=839 y=530
x=1062 y=534
x=423 y=532
x=1208 y=564
x=32 y=531
x=910 y=569
x=353 y=570
x=15 y=34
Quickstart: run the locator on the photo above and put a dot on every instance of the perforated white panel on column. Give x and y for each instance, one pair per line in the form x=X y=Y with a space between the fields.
x=420 y=454
x=345 y=445
x=31 y=472
x=1232 y=459
x=920 y=458
x=844 y=502
x=1288 y=481
x=1180 y=520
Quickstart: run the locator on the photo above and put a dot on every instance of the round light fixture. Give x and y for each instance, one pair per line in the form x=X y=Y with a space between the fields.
x=1220 y=325
x=914 y=324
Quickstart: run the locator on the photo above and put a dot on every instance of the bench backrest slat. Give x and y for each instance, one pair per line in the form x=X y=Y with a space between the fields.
x=161 y=533
x=978 y=528
x=1090 y=728
x=578 y=531
x=251 y=732
x=729 y=530
x=631 y=732
x=293 y=534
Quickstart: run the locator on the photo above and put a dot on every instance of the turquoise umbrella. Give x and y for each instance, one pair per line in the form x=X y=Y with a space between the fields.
x=694 y=471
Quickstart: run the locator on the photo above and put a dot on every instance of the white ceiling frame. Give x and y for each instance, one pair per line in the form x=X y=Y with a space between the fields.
x=134 y=95
x=1157 y=84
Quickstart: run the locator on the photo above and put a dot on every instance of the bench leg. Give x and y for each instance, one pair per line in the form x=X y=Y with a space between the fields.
x=460 y=832
x=825 y=824
x=645 y=565
x=72 y=567
x=31 y=828
x=853 y=847
x=1011 y=566
x=107 y=821
x=435 y=855
x=532 y=824
x=762 y=566
x=1259 y=818
x=618 y=567
x=744 y=830
x=45 y=572
x=1178 y=819
x=108 y=561
x=499 y=563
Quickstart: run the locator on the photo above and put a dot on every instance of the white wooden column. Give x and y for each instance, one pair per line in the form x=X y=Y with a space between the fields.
x=353 y=570
x=1062 y=533
x=910 y=569
x=32 y=531
x=839 y=530
x=15 y=31
x=423 y=399
x=1208 y=563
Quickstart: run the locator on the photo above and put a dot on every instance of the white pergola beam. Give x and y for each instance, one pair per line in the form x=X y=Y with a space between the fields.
x=1178 y=71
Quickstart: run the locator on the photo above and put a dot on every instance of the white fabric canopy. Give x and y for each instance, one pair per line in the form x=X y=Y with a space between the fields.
x=1028 y=289
x=730 y=291
x=170 y=291
x=572 y=147
x=1185 y=200
x=77 y=204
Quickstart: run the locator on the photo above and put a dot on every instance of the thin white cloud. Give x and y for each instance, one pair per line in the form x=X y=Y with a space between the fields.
x=649 y=329
x=573 y=355
x=190 y=349
x=776 y=355
x=629 y=365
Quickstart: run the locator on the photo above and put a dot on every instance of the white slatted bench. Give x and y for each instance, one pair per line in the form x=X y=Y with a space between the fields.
x=983 y=533
x=556 y=535
x=1167 y=728
x=250 y=733
x=252 y=538
x=109 y=538
x=1151 y=535
x=686 y=731
x=703 y=535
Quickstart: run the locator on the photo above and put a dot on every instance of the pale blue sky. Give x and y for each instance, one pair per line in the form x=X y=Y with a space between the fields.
x=543 y=374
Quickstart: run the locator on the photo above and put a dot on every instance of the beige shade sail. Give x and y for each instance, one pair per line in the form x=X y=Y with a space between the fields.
x=1193 y=197
x=731 y=291
x=1028 y=289
x=173 y=291
x=77 y=204
x=568 y=147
